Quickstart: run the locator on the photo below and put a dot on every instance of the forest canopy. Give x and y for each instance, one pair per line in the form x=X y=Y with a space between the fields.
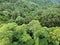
x=29 y=22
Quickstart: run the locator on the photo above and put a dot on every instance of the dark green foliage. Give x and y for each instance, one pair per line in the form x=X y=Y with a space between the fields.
x=22 y=12
x=26 y=22
x=24 y=9
x=50 y=17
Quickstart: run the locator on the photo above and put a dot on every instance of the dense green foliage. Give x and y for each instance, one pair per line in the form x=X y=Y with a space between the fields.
x=29 y=22
x=29 y=34
x=42 y=2
x=50 y=17
x=22 y=12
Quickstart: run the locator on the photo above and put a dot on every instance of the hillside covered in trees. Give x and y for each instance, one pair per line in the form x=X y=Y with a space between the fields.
x=29 y=22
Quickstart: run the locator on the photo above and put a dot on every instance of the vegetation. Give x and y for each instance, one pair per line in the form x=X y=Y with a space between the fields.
x=29 y=22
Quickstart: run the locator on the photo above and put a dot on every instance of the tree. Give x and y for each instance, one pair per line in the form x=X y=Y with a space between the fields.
x=50 y=17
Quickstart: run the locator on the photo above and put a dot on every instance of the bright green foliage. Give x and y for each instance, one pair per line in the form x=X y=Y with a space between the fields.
x=28 y=34
x=6 y=33
x=5 y=41
x=34 y=25
x=55 y=35
x=26 y=22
